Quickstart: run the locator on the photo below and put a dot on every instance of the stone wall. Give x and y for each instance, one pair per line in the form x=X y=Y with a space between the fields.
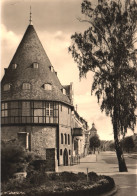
x=40 y=137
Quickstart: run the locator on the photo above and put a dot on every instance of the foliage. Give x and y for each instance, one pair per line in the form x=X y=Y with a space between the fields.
x=112 y=146
x=58 y=184
x=14 y=158
x=128 y=143
x=107 y=49
x=94 y=141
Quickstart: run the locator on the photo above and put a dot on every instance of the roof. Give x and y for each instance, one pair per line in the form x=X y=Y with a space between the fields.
x=30 y=50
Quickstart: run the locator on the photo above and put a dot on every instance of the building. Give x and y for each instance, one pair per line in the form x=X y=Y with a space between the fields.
x=92 y=131
x=79 y=136
x=36 y=109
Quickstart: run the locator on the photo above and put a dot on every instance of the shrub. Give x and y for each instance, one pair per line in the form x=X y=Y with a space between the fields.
x=37 y=178
x=93 y=176
x=69 y=177
x=14 y=158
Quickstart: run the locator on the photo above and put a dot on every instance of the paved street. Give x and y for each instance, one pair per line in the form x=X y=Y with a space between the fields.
x=105 y=163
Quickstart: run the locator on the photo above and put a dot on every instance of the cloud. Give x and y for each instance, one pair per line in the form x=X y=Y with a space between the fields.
x=9 y=43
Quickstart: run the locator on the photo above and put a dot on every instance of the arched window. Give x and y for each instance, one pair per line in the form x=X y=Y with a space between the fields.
x=68 y=139
x=26 y=86
x=6 y=87
x=61 y=138
x=47 y=86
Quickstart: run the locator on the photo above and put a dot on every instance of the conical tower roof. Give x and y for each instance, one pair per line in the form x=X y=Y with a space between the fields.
x=29 y=51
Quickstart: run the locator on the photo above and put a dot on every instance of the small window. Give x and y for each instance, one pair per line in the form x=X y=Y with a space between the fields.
x=51 y=68
x=69 y=152
x=6 y=87
x=47 y=87
x=64 y=91
x=26 y=86
x=4 y=106
x=61 y=138
x=14 y=66
x=65 y=138
x=68 y=139
x=60 y=151
x=35 y=65
x=68 y=110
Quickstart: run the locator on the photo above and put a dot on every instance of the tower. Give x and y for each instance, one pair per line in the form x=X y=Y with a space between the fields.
x=36 y=108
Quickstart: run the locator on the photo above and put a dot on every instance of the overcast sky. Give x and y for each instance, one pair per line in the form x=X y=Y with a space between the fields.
x=54 y=21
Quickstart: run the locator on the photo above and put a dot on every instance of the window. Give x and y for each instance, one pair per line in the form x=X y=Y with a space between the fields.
x=26 y=86
x=38 y=112
x=47 y=86
x=29 y=112
x=51 y=68
x=60 y=151
x=68 y=139
x=14 y=66
x=6 y=87
x=14 y=108
x=65 y=138
x=4 y=110
x=69 y=152
x=61 y=138
x=23 y=137
x=25 y=108
x=68 y=110
x=35 y=65
x=49 y=109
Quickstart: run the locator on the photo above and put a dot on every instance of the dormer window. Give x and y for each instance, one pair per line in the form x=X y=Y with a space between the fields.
x=26 y=86
x=64 y=91
x=51 y=68
x=14 y=66
x=35 y=65
x=47 y=86
x=6 y=87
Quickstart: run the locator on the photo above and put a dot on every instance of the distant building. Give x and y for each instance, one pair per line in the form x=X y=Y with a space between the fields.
x=36 y=109
x=92 y=131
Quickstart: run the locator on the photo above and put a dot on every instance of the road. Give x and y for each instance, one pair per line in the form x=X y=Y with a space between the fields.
x=106 y=163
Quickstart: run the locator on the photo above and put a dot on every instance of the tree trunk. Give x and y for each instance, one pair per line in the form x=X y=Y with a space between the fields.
x=119 y=152
x=120 y=157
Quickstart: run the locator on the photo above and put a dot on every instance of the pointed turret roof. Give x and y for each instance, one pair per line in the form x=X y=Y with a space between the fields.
x=30 y=50
x=93 y=129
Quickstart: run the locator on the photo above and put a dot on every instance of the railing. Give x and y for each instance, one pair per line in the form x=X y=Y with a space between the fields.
x=74 y=160
x=28 y=120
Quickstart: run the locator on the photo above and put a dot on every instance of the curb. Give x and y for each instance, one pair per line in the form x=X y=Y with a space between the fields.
x=110 y=193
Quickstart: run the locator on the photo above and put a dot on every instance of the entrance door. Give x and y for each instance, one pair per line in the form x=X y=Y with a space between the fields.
x=65 y=157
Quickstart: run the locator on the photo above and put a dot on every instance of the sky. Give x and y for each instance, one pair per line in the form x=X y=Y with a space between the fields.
x=54 y=21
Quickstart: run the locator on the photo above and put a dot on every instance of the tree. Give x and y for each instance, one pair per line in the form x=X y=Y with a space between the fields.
x=94 y=142
x=107 y=49
x=128 y=143
x=14 y=158
x=112 y=146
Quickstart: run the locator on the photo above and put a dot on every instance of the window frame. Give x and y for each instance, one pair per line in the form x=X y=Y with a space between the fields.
x=26 y=86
